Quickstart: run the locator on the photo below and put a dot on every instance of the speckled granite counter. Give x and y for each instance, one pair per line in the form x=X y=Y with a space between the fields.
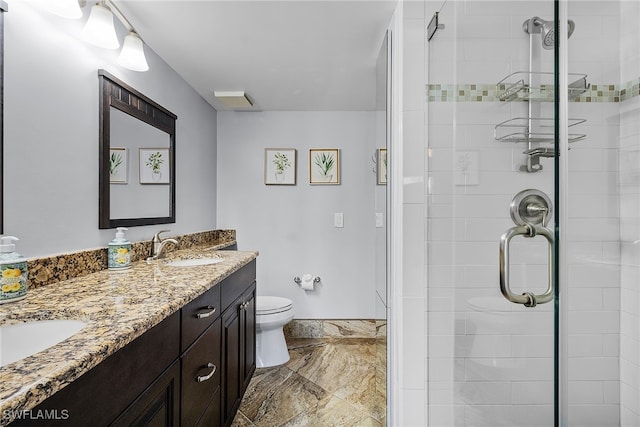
x=118 y=306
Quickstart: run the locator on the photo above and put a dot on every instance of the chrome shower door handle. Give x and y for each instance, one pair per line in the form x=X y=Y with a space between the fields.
x=529 y=299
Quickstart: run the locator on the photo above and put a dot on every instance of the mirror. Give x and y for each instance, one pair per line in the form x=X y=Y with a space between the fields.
x=137 y=157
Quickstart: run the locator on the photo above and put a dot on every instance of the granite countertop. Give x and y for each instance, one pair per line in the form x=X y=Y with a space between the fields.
x=118 y=306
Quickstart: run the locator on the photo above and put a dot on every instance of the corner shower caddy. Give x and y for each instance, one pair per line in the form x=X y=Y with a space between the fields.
x=535 y=86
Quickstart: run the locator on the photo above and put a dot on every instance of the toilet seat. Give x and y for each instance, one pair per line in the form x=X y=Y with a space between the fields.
x=266 y=305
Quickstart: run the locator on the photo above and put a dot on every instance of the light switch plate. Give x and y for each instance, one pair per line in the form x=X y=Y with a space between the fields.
x=338 y=220
x=379 y=220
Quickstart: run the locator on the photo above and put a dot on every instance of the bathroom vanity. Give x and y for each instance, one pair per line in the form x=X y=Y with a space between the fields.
x=190 y=368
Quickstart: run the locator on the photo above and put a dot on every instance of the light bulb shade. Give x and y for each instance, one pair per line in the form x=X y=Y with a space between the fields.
x=65 y=8
x=132 y=54
x=99 y=29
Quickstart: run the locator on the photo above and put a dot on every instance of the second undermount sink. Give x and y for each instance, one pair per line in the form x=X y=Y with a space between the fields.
x=194 y=262
x=21 y=340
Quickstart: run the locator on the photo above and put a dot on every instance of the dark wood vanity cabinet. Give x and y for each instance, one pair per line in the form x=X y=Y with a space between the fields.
x=192 y=369
x=239 y=350
x=125 y=383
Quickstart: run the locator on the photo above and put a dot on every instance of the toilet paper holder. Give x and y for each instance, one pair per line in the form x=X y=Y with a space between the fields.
x=298 y=280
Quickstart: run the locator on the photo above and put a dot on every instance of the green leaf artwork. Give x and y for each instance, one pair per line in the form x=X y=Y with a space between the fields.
x=325 y=163
x=281 y=161
x=154 y=161
x=114 y=161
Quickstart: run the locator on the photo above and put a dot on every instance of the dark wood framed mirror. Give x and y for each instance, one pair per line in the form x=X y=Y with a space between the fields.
x=137 y=157
x=3 y=8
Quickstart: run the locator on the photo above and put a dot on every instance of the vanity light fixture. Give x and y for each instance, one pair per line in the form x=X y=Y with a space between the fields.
x=233 y=99
x=132 y=54
x=65 y=8
x=99 y=29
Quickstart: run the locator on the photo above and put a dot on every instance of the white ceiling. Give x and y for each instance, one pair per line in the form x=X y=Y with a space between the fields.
x=292 y=55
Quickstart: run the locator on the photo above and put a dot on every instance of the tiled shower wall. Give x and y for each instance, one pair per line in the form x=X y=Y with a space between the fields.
x=629 y=184
x=490 y=362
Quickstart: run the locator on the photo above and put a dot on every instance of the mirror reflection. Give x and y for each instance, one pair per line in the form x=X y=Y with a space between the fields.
x=138 y=168
x=137 y=152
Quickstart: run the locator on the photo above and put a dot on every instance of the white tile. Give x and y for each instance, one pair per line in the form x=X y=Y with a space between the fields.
x=593 y=368
x=585 y=392
x=585 y=322
x=532 y=392
x=585 y=345
x=484 y=392
x=611 y=392
x=594 y=415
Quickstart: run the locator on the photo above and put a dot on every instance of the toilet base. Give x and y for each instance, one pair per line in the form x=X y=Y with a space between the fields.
x=271 y=348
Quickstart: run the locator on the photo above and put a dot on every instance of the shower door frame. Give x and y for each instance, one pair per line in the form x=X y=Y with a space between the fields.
x=561 y=172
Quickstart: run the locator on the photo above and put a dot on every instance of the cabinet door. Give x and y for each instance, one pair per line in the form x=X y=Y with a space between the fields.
x=248 y=329
x=200 y=375
x=231 y=361
x=158 y=406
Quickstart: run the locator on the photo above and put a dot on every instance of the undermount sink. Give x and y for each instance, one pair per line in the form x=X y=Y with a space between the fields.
x=21 y=340
x=194 y=262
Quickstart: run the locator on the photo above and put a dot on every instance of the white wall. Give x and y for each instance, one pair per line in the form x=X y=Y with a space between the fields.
x=51 y=136
x=292 y=226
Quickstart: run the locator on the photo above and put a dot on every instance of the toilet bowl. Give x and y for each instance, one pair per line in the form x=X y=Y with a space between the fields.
x=272 y=313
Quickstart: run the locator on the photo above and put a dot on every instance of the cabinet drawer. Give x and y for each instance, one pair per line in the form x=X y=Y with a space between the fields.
x=200 y=380
x=234 y=285
x=198 y=315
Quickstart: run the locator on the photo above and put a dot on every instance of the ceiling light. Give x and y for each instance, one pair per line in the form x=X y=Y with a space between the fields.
x=233 y=99
x=132 y=54
x=99 y=29
x=65 y=8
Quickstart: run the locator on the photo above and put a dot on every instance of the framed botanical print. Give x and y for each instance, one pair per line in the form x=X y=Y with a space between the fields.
x=324 y=166
x=280 y=166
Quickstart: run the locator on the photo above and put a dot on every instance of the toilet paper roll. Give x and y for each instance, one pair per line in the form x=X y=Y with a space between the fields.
x=307 y=282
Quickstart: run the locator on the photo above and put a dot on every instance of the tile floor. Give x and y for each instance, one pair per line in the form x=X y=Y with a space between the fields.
x=328 y=382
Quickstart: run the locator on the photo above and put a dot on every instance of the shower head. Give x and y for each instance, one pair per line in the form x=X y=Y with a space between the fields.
x=546 y=30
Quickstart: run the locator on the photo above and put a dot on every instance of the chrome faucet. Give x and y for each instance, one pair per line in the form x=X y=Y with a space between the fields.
x=158 y=244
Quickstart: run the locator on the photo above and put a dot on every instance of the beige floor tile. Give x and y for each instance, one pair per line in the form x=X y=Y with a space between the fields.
x=327 y=382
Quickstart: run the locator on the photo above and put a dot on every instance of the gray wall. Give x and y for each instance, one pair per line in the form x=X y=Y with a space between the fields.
x=51 y=136
x=292 y=226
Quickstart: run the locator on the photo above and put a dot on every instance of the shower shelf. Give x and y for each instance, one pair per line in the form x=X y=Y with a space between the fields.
x=517 y=130
x=513 y=86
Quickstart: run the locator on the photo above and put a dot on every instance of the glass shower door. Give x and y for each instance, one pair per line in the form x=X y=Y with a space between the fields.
x=490 y=186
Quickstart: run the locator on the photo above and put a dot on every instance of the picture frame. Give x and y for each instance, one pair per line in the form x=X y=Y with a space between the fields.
x=280 y=166
x=154 y=166
x=118 y=165
x=324 y=166
x=382 y=167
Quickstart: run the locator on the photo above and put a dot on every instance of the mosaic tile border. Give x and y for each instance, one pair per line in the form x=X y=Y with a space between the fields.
x=53 y=269
x=491 y=92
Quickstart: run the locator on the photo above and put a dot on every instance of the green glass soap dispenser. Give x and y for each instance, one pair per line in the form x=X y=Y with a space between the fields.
x=13 y=271
x=119 y=256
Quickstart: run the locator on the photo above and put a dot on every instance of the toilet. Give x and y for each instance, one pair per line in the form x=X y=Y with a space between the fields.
x=272 y=313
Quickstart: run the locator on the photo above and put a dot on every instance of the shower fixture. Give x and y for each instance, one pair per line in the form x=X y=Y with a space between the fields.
x=533 y=86
x=546 y=30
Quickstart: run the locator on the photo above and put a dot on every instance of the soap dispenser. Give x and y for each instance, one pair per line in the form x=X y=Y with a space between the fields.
x=119 y=257
x=13 y=271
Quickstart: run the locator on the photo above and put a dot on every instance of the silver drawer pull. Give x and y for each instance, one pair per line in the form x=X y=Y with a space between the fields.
x=209 y=375
x=207 y=314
